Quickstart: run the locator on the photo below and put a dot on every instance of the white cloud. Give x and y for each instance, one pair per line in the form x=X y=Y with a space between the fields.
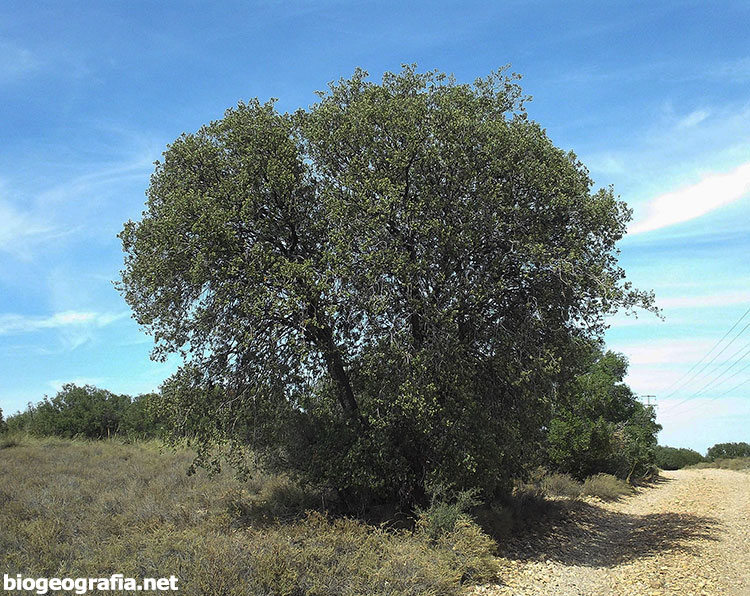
x=618 y=321
x=57 y=384
x=12 y=324
x=702 y=422
x=18 y=229
x=664 y=352
x=710 y=300
x=693 y=119
x=694 y=201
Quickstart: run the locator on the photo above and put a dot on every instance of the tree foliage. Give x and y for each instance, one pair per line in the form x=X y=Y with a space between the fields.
x=599 y=425
x=675 y=458
x=728 y=450
x=379 y=292
x=89 y=412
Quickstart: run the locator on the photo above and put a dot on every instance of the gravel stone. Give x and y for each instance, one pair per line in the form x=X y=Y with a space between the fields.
x=686 y=535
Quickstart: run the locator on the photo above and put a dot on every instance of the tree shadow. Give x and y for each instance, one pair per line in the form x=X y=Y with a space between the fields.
x=658 y=480
x=588 y=535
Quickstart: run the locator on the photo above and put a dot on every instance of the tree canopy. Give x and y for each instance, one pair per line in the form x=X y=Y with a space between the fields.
x=728 y=450
x=598 y=424
x=380 y=292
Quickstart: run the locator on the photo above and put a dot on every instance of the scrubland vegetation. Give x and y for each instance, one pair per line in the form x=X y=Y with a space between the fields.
x=735 y=463
x=731 y=456
x=75 y=508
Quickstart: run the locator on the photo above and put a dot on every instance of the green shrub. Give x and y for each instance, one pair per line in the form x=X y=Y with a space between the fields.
x=600 y=426
x=442 y=516
x=671 y=458
x=91 y=413
x=605 y=487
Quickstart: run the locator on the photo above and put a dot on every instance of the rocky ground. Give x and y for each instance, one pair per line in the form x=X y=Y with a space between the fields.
x=687 y=535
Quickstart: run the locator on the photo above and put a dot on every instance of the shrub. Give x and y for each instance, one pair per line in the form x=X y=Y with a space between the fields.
x=605 y=487
x=140 y=419
x=671 y=458
x=735 y=463
x=443 y=515
x=272 y=499
x=557 y=484
x=600 y=426
x=75 y=411
x=91 y=413
x=8 y=440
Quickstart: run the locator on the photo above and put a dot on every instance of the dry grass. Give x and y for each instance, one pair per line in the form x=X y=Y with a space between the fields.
x=606 y=487
x=737 y=464
x=91 y=509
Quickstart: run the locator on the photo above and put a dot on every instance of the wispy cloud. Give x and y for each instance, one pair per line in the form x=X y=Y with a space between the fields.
x=15 y=61
x=19 y=229
x=57 y=384
x=710 y=300
x=664 y=352
x=693 y=201
x=737 y=71
x=702 y=422
x=13 y=324
x=693 y=119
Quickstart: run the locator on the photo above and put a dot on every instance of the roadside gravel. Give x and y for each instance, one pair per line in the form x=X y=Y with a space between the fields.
x=688 y=535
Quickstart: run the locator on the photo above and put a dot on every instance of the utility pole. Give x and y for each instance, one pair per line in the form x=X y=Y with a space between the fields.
x=650 y=405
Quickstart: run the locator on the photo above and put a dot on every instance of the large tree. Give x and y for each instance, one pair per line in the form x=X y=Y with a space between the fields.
x=380 y=292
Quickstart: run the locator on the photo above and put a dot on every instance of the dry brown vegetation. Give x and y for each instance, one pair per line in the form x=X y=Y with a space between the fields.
x=91 y=509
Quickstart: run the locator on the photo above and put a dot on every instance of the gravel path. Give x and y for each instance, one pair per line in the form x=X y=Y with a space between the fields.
x=688 y=535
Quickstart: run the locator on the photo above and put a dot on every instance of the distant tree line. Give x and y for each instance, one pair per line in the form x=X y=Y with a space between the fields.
x=672 y=458
x=728 y=451
x=675 y=458
x=88 y=412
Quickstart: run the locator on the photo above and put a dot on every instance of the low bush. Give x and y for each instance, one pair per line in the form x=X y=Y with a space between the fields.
x=671 y=458
x=269 y=499
x=605 y=487
x=8 y=440
x=444 y=513
x=557 y=484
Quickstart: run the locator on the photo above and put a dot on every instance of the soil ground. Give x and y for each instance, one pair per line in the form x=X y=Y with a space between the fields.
x=686 y=535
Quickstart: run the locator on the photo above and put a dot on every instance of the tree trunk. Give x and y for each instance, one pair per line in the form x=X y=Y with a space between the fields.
x=322 y=336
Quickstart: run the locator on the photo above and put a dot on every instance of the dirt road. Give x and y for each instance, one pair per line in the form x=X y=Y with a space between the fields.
x=688 y=535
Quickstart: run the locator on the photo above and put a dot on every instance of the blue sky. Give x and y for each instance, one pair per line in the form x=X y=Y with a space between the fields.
x=653 y=97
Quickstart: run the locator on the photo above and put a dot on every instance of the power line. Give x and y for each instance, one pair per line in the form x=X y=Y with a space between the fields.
x=713 y=381
x=709 y=352
x=718 y=396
